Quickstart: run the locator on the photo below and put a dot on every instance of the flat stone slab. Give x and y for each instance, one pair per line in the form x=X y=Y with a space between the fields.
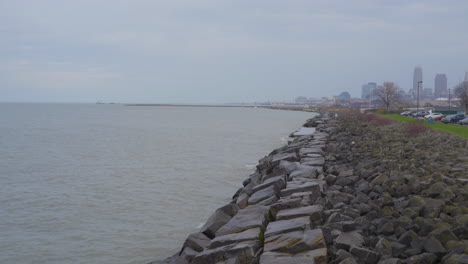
x=283 y=156
x=278 y=181
x=313 y=161
x=197 y=242
x=304 y=172
x=304 y=131
x=249 y=234
x=250 y=217
x=284 y=226
x=295 y=242
x=315 y=149
x=263 y=194
x=214 y=223
x=313 y=187
x=316 y=256
x=313 y=211
x=244 y=252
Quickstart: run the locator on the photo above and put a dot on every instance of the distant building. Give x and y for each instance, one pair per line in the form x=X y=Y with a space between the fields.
x=307 y=100
x=466 y=76
x=417 y=78
x=427 y=92
x=367 y=90
x=344 y=96
x=440 y=85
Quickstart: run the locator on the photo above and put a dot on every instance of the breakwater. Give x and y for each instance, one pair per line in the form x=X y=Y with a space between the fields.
x=350 y=191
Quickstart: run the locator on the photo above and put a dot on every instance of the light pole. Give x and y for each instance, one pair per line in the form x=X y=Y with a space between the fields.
x=417 y=106
x=449 y=99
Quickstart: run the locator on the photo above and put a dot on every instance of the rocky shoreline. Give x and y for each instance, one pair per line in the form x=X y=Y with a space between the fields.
x=352 y=191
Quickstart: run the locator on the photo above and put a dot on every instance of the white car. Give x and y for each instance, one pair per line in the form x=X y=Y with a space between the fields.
x=433 y=115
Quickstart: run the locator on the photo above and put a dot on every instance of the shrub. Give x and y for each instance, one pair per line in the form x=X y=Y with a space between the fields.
x=376 y=120
x=415 y=128
x=381 y=111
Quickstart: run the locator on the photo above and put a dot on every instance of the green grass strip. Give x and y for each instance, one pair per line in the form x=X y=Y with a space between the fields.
x=458 y=130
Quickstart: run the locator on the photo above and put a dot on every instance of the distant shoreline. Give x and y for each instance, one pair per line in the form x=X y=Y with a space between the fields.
x=189 y=105
x=275 y=107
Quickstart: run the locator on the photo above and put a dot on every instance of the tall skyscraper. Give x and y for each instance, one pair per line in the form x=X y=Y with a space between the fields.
x=367 y=90
x=417 y=77
x=466 y=76
x=440 y=85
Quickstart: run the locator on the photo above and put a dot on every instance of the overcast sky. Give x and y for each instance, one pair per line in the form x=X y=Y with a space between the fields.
x=216 y=51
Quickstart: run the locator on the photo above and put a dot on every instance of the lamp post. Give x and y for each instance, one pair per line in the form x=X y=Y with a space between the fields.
x=417 y=106
x=449 y=99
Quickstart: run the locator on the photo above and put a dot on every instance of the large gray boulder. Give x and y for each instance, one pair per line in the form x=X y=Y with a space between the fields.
x=278 y=181
x=197 y=242
x=263 y=194
x=214 y=223
x=250 y=217
x=292 y=187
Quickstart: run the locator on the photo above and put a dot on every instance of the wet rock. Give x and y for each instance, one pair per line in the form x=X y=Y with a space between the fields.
x=250 y=217
x=284 y=226
x=295 y=242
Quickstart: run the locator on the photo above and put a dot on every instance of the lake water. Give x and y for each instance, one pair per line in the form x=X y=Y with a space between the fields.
x=83 y=183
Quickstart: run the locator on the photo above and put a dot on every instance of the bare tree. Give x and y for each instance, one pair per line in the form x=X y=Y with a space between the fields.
x=461 y=91
x=389 y=93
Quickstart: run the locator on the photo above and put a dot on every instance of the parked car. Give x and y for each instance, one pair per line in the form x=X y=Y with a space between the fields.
x=433 y=115
x=421 y=114
x=405 y=113
x=438 y=118
x=463 y=122
x=453 y=118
